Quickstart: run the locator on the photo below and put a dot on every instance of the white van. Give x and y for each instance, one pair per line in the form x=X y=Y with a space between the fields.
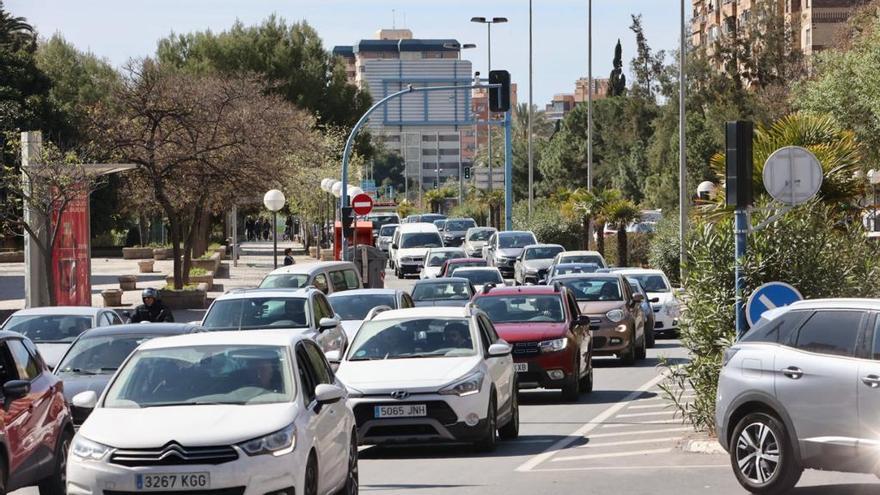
x=410 y=246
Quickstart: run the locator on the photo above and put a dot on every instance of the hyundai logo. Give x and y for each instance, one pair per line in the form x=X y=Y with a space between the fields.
x=400 y=394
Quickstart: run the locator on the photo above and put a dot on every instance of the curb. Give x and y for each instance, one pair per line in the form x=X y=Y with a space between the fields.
x=704 y=447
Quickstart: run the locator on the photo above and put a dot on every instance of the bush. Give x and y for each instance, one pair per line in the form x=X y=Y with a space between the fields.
x=810 y=248
x=663 y=251
x=548 y=224
x=639 y=248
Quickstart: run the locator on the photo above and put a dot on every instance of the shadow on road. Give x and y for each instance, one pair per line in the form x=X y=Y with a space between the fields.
x=651 y=362
x=848 y=489
x=554 y=397
x=525 y=445
x=408 y=486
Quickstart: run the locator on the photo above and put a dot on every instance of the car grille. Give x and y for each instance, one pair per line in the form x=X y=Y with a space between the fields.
x=599 y=342
x=525 y=348
x=238 y=490
x=402 y=431
x=437 y=409
x=657 y=309
x=174 y=455
x=658 y=324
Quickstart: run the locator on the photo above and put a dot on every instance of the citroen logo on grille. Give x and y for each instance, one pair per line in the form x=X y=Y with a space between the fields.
x=400 y=394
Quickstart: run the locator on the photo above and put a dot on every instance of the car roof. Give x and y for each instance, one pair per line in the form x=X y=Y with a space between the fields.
x=540 y=245
x=464 y=260
x=578 y=264
x=512 y=232
x=521 y=290
x=482 y=228
x=446 y=250
x=364 y=292
x=837 y=303
x=141 y=329
x=581 y=253
x=255 y=293
x=247 y=337
x=312 y=267
x=425 y=312
x=442 y=280
x=477 y=269
x=596 y=275
x=5 y=334
x=417 y=227
x=633 y=270
x=59 y=310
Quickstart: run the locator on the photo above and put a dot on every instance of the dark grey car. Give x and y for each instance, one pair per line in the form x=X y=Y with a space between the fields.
x=452 y=291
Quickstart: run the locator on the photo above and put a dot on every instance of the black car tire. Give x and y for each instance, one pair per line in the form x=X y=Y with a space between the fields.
x=650 y=337
x=510 y=431
x=352 y=479
x=785 y=473
x=628 y=357
x=310 y=483
x=490 y=440
x=586 y=383
x=642 y=351
x=571 y=388
x=56 y=484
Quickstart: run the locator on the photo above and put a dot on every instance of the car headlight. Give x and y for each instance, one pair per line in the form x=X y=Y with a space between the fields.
x=554 y=345
x=468 y=385
x=277 y=443
x=615 y=315
x=672 y=308
x=86 y=449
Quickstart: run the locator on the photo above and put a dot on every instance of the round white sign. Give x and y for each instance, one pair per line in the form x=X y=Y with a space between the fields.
x=792 y=175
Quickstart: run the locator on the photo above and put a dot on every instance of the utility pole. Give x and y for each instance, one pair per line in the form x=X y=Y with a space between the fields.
x=590 y=95
x=488 y=112
x=531 y=85
x=682 y=153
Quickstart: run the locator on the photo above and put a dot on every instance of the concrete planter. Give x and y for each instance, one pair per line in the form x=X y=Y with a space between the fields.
x=211 y=264
x=161 y=253
x=185 y=299
x=313 y=251
x=137 y=253
x=12 y=257
x=145 y=266
x=207 y=279
x=112 y=297
x=222 y=252
x=128 y=282
x=326 y=255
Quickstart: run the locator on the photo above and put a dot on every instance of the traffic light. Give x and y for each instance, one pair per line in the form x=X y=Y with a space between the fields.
x=347 y=220
x=467 y=173
x=738 y=157
x=499 y=98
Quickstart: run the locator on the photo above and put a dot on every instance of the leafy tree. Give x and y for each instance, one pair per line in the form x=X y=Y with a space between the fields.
x=15 y=31
x=617 y=80
x=647 y=66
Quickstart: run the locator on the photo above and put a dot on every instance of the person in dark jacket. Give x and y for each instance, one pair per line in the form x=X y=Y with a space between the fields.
x=152 y=310
x=288 y=257
x=249 y=228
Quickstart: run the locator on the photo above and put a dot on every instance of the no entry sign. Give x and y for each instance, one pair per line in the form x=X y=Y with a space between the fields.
x=362 y=204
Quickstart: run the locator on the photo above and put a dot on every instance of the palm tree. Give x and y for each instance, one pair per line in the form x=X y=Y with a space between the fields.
x=622 y=212
x=492 y=201
x=14 y=29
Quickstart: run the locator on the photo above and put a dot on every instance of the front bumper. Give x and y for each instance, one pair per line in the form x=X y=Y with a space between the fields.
x=548 y=370
x=607 y=339
x=665 y=323
x=246 y=475
x=505 y=266
x=408 y=267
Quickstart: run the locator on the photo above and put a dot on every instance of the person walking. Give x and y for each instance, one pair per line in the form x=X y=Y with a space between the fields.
x=249 y=228
x=288 y=228
x=265 y=229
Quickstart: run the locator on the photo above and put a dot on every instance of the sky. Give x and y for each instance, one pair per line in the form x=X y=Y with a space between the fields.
x=121 y=29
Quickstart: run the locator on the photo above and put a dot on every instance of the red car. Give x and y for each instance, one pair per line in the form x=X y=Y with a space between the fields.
x=450 y=266
x=552 y=347
x=35 y=424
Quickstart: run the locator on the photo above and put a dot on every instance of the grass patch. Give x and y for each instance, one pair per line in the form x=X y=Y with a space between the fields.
x=186 y=288
x=197 y=272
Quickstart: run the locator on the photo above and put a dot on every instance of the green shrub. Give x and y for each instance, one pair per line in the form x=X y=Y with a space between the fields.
x=663 y=251
x=197 y=272
x=639 y=248
x=548 y=224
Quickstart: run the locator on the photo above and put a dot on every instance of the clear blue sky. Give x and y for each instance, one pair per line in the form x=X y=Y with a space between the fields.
x=120 y=29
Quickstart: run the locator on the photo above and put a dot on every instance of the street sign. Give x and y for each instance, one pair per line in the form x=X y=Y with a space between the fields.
x=362 y=204
x=769 y=296
x=792 y=175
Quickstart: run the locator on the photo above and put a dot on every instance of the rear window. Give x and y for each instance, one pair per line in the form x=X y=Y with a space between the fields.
x=49 y=328
x=777 y=330
x=519 y=309
x=420 y=239
x=285 y=281
x=459 y=225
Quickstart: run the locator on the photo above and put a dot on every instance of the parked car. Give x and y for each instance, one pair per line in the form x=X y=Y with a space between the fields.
x=443 y=292
x=503 y=248
x=35 y=425
x=667 y=308
x=532 y=264
x=326 y=276
x=430 y=217
x=381 y=218
x=570 y=268
x=580 y=257
x=431 y=374
x=53 y=329
x=301 y=312
x=551 y=340
x=411 y=245
x=647 y=309
x=239 y=412
x=617 y=321
x=801 y=390
x=435 y=258
x=454 y=230
x=386 y=232
x=481 y=276
x=449 y=266
x=355 y=306
x=474 y=240
x=96 y=354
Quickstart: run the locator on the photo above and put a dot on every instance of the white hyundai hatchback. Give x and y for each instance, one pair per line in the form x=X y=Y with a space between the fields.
x=232 y=412
x=431 y=374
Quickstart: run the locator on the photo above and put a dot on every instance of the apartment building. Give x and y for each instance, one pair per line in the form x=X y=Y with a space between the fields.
x=563 y=103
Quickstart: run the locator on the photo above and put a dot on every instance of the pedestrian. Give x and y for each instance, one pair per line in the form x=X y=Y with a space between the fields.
x=288 y=228
x=249 y=228
x=265 y=229
x=288 y=257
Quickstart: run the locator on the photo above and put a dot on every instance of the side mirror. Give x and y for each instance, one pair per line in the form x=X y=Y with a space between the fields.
x=655 y=300
x=637 y=298
x=16 y=389
x=85 y=400
x=327 y=323
x=328 y=394
x=678 y=291
x=499 y=349
x=394 y=246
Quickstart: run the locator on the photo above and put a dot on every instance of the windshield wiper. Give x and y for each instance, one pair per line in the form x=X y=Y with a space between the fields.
x=80 y=371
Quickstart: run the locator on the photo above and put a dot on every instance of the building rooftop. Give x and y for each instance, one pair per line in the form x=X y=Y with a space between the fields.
x=407 y=45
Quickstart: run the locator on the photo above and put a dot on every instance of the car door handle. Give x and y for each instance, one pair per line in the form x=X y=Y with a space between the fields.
x=793 y=372
x=872 y=381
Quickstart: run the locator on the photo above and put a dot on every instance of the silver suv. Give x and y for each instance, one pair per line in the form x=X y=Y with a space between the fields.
x=802 y=390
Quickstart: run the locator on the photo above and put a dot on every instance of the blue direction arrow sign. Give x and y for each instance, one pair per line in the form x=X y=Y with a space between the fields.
x=768 y=296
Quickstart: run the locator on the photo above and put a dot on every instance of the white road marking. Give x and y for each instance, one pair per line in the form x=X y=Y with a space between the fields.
x=640 y=432
x=650 y=406
x=640 y=423
x=609 y=456
x=628 y=442
x=592 y=425
x=548 y=440
x=637 y=415
x=637 y=468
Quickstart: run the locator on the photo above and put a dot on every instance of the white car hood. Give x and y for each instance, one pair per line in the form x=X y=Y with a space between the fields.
x=414 y=375
x=401 y=253
x=190 y=426
x=351 y=327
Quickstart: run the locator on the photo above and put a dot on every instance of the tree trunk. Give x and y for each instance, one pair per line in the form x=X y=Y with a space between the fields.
x=50 y=280
x=622 y=255
x=202 y=234
x=586 y=228
x=174 y=224
x=600 y=239
x=189 y=239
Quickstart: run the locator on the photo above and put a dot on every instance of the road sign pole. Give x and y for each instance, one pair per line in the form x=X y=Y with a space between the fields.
x=741 y=230
x=508 y=173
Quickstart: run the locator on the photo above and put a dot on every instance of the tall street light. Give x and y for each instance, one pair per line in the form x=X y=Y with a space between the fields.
x=488 y=23
x=590 y=100
x=682 y=153
x=274 y=200
x=531 y=85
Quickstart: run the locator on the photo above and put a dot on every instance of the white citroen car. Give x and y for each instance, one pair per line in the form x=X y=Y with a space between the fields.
x=667 y=307
x=233 y=412
x=431 y=374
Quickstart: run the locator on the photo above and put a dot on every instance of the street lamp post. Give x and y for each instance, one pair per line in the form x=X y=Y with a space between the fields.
x=531 y=157
x=274 y=200
x=682 y=154
x=488 y=23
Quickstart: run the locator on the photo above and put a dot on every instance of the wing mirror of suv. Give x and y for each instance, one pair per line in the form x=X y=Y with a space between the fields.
x=394 y=246
x=327 y=323
x=16 y=389
x=655 y=300
x=333 y=357
x=85 y=400
x=499 y=349
x=328 y=394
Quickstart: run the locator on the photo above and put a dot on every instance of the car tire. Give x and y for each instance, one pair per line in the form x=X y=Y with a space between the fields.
x=761 y=476
x=628 y=358
x=650 y=337
x=3 y=475
x=586 y=383
x=352 y=479
x=510 y=431
x=571 y=388
x=56 y=484
x=490 y=439
x=642 y=351
x=310 y=480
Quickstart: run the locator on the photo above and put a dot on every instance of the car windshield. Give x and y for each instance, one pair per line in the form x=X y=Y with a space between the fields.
x=467 y=264
x=575 y=268
x=594 y=289
x=407 y=338
x=651 y=282
x=420 y=239
x=257 y=312
x=49 y=328
x=439 y=223
x=356 y=307
x=387 y=230
x=441 y=291
x=481 y=235
x=480 y=277
x=203 y=375
x=285 y=281
x=581 y=258
x=519 y=309
x=100 y=355
x=429 y=218
x=515 y=240
x=459 y=225
x=542 y=253
x=437 y=258
x=380 y=221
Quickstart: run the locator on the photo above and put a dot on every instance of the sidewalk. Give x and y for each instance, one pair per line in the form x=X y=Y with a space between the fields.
x=253 y=264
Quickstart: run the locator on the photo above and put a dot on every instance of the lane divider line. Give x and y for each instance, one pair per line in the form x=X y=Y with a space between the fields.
x=632 y=468
x=640 y=432
x=642 y=414
x=628 y=442
x=642 y=423
x=609 y=456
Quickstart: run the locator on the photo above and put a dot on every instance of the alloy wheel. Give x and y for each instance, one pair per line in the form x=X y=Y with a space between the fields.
x=757 y=453
x=353 y=477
